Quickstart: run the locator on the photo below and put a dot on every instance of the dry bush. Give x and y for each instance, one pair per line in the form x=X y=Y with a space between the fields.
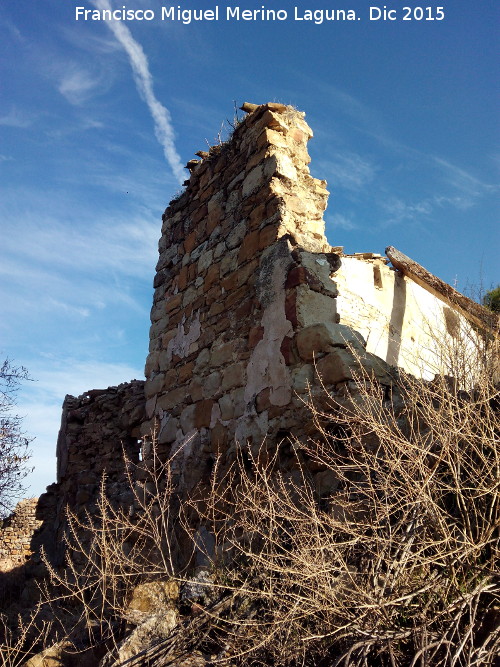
x=397 y=566
x=111 y=549
x=20 y=640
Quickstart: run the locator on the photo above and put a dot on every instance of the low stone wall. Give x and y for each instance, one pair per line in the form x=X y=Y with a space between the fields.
x=97 y=429
x=16 y=533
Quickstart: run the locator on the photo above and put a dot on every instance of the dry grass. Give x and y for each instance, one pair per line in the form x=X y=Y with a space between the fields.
x=397 y=564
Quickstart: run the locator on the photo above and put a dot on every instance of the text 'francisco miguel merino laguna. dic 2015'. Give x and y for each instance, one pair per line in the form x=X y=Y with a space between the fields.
x=186 y=16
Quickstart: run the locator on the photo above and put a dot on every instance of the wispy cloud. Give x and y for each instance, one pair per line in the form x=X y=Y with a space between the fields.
x=348 y=170
x=144 y=82
x=396 y=210
x=128 y=248
x=65 y=268
x=78 y=85
x=11 y=28
x=16 y=118
x=339 y=221
x=458 y=189
x=462 y=180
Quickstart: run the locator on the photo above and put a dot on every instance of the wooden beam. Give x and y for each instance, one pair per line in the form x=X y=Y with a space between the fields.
x=470 y=309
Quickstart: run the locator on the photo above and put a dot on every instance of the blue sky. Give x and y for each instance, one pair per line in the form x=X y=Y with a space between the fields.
x=97 y=118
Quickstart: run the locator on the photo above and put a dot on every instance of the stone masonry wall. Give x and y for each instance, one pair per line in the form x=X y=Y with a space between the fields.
x=244 y=298
x=16 y=532
x=253 y=309
x=97 y=428
x=219 y=367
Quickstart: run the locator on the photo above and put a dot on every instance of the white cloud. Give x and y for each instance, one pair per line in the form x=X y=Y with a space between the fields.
x=348 y=170
x=470 y=186
x=339 y=221
x=77 y=85
x=398 y=210
x=61 y=268
x=144 y=82
x=68 y=309
x=91 y=124
x=16 y=118
x=45 y=243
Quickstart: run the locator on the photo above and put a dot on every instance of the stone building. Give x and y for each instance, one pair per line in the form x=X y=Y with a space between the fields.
x=253 y=312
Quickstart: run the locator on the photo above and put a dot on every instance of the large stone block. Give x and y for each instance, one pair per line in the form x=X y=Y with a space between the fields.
x=343 y=364
x=233 y=376
x=316 y=339
x=313 y=307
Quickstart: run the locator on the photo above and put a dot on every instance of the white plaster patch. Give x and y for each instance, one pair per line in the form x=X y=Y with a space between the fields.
x=182 y=340
x=216 y=415
x=266 y=366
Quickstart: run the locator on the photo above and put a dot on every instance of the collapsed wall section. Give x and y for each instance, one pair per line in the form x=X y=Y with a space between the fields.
x=98 y=429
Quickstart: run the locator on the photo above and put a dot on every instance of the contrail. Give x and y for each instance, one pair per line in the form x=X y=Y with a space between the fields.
x=144 y=82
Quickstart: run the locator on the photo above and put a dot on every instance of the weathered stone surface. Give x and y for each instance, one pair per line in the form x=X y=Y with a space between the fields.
x=188 y=418
x=151 y=597
x=319 y=338
x=313 y=307
x=233 y=376
x=203 y=413
x=157 y=626
x=222 y=354
x=343 y=364
x=212 y=384
x=16 y=532
x=54 y=656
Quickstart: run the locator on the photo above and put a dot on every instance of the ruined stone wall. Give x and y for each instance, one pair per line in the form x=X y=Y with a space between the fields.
x=254 y=310
x=16 y=532
x=97 y=429
x=243 y=263
x=253 y=313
